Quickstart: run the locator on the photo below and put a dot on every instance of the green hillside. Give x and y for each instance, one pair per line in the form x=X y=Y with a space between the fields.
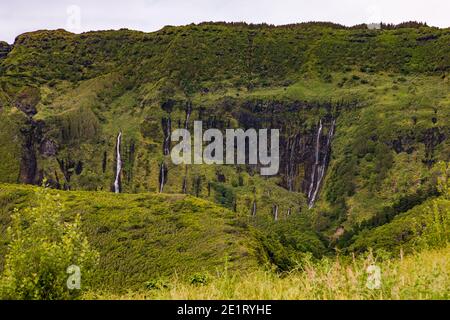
x=147 y=236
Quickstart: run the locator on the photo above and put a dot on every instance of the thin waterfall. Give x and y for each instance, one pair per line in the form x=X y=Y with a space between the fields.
x=186 y=126
x=162 y=176
x=316 y=163
x=275 y=212
x=290 y=164
x=320 y=165
x=254 y=209
x=118 y=164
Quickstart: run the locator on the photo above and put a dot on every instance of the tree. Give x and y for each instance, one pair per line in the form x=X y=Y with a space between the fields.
x=42 y=249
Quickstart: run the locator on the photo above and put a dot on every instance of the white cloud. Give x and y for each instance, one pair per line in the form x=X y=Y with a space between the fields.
x=150 y=15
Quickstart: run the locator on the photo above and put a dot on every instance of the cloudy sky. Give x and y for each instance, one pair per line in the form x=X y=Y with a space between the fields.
x=20 y=16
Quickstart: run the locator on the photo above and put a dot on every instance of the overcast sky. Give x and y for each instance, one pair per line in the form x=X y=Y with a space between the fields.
x=18 y=16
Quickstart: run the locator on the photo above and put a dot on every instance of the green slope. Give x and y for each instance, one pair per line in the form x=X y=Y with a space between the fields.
x=148 y=236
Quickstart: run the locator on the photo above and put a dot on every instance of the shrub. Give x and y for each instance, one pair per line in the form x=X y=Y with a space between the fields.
x=41 y=249
x=198 y=279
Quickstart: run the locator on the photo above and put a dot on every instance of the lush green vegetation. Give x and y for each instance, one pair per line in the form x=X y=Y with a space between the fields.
x=144 y=236
x=65 y=97
x=41 y=248
x=419 y=276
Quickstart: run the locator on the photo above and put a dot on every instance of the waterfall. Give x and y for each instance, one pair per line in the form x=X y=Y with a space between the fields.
x=254 y=209
x=289 y=212
x=316 y=162
x=118 y=164
x=162 y=176
x=320 y=165
x=290 y=165
x=275 y=212
x=186 y=126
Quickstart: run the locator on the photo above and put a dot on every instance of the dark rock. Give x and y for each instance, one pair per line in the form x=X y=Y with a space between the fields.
x=28 y=162
x=79 y=168
x=27 y=99
x=221 y=177
x=48 y=148
x=428 y=37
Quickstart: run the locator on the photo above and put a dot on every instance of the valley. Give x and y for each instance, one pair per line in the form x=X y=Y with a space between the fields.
x=364 y=124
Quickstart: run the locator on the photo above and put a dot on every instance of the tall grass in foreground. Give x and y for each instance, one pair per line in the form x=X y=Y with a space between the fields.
x=424 y=275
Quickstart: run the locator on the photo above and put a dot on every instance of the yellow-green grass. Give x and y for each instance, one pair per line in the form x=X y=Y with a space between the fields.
x=424 y=275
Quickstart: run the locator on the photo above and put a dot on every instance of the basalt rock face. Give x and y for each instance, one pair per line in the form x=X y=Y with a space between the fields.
x=430 y=138
x=26 y=102
x=305 y=151
x=48 y=148
x=309 y=150
x=28 y=162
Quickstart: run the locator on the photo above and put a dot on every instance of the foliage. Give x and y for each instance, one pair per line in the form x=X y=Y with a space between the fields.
x=142 y=236
x=42 y=246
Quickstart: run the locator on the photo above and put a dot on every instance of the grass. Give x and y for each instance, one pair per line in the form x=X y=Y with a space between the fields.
x=424 y=275
x=157 y=246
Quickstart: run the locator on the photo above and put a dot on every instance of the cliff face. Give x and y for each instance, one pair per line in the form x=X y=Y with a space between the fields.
x=357 y=127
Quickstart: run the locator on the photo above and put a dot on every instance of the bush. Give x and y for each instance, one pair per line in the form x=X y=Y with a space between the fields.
x=199 y=279
x=42 y=247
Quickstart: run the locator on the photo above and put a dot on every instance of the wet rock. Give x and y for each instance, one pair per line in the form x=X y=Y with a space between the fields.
x=28 y=162
x=27 y=100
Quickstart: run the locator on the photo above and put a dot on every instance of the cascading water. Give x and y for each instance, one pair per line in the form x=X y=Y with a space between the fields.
x=290 y=164
x=162 y=177
x=254 y=209
x=316 y=164
x=322 y=167
x=186 y=127
x=320 y=163
x=118 y=164
x=275 y=212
